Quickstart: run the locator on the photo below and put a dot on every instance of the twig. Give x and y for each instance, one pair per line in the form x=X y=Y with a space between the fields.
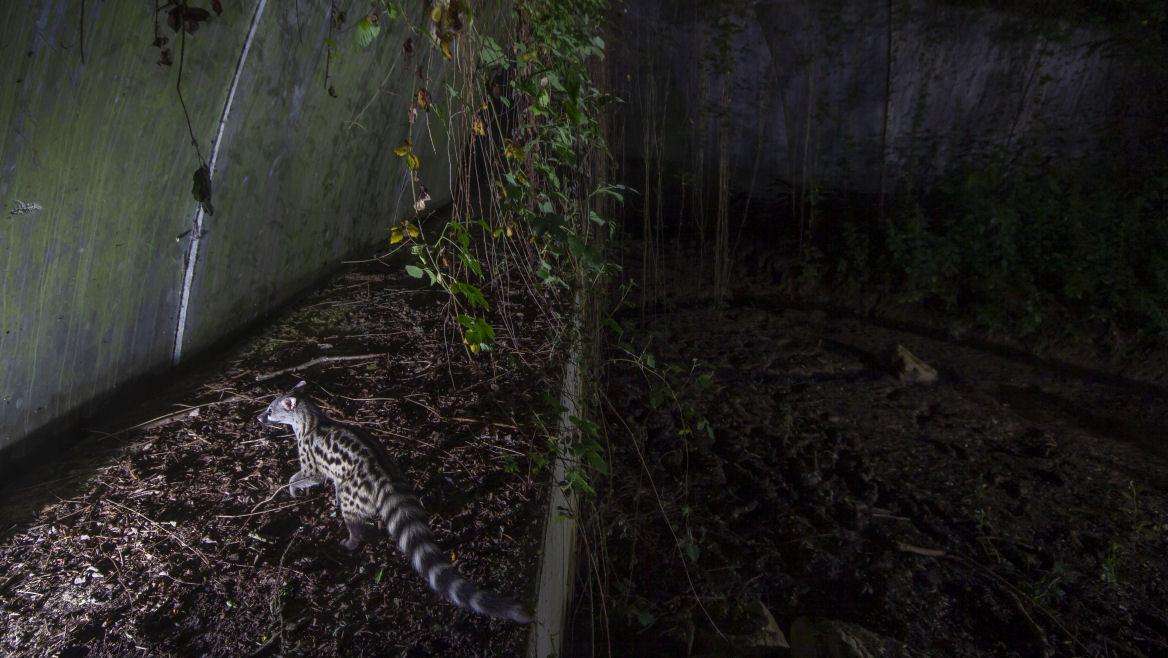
x=317 y=361
x=927 y=552
x=270 y=498
x=182 y=51
x=483 y=421
x=1033 y=624
x=163 y=528
x=425 y=406
x=377 y=259
x=266 y=511
x=168 y=418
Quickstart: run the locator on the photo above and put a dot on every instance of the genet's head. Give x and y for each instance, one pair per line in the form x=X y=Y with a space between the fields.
x=290 y=409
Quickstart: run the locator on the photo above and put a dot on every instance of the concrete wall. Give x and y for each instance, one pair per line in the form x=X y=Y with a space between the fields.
x=799 y=87
x=96 y=172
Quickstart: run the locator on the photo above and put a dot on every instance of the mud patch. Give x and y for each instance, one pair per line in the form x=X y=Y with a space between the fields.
x=951 y=519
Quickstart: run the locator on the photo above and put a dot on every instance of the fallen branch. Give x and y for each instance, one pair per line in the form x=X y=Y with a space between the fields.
x=927 y=552
x=317 y=361
x=265 y=511
x=166 y=419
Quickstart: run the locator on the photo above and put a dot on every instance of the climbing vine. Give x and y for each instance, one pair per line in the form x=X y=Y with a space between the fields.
x=533 y=205
x=524 y=121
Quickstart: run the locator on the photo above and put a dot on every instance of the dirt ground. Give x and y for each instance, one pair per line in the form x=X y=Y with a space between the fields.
x=1011 y=508
x=178 y=538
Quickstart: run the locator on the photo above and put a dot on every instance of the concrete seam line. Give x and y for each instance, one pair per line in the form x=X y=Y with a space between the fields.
x=557 y=560
x=197 y=229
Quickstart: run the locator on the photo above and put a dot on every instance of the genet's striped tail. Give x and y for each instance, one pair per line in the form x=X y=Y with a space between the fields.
x=406 y=523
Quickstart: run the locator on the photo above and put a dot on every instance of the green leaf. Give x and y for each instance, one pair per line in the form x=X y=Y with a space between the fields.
x=472 y=264
x=598 y=463
x=576 y=481
x=474 y=297
x=366 y=32
x=414 y=271
x=584 y=425
x=492 y=53
x=614 y=191
x=477 y=332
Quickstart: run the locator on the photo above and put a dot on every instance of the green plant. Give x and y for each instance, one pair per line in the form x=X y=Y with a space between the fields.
x=1024 y=246
x=527 y=115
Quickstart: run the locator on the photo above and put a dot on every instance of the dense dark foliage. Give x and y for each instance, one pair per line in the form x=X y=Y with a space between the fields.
x=1147 y=13
x=1022 y=249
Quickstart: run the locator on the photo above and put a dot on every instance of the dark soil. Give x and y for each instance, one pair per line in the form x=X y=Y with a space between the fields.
x=1009 y=509
x=179 y=538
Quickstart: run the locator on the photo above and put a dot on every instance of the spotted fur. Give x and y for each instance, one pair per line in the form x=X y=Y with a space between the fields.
x=370 y=488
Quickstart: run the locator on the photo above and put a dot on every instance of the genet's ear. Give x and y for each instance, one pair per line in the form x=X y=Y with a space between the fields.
x=299 y=386
x=289 y=403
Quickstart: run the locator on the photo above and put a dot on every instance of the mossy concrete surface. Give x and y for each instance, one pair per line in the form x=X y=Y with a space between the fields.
x=96 y=170
x=823 y=96
x=304 y=178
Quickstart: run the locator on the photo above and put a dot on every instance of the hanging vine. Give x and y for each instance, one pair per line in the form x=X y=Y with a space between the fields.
x=524 y=121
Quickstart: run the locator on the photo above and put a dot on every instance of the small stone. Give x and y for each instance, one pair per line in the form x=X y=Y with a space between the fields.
x=910 y=369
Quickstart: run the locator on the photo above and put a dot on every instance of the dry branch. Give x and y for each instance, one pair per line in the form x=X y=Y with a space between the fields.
x=317 y=361
x=166 y=419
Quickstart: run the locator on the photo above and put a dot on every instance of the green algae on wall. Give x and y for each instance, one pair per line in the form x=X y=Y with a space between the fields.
x=324 y=167
x=101 y=148
x=95 y=180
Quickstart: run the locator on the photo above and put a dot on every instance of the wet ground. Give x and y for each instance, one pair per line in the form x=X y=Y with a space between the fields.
x=178 y=538
x=1011 y=508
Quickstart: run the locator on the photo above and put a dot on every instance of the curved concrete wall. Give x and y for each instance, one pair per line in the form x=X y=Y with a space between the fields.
x=800 y=88
x=96 y=173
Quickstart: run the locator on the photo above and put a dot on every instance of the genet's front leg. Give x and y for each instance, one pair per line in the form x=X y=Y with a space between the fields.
x=301 y=481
